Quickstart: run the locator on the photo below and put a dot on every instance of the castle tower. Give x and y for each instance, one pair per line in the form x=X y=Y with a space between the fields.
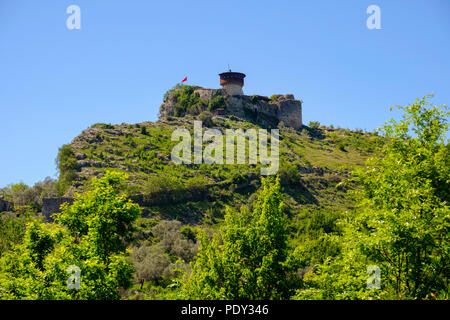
x=232 y=82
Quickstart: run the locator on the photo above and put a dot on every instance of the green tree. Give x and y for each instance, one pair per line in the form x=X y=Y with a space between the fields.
x=12 y=230
x=90 y=234
x=23 y=195
x=67 y=165
x=253 y=261
x=403 y=224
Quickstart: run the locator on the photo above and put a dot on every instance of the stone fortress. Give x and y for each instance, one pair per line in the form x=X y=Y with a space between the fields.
x=260 y=109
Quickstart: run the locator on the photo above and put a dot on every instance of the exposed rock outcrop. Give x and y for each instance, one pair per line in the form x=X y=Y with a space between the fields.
x=262 y=110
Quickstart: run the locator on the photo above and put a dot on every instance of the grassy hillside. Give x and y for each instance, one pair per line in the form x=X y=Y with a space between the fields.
x=312 y=163
x=202 y=222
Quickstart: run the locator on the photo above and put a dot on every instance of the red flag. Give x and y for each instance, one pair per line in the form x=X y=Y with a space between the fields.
x=184 y=80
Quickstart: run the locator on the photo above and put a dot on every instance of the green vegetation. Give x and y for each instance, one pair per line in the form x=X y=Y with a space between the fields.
x=314 y=124
x=187 y=101
x=12 y=230
x=343 y=200
x=67 y=167
x=217 y=102
x=26 y=198
x=253 y=262
x=403 y=220
x=274 y=98
x=90 y=234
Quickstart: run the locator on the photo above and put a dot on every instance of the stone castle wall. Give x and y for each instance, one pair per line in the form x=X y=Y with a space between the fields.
x=259 y=109
x=266 y=112
x=6 y=205
x=52 y=205
x=290 y=112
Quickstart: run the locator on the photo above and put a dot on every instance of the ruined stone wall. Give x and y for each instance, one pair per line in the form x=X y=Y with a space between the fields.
x=52 y=205
x=206 y=93
x=290 y=112
x=6 y=206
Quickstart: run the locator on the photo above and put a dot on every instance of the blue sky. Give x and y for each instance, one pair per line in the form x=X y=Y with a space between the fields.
x=56 y=82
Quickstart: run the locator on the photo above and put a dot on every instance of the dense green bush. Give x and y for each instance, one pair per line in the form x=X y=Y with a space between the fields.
x=90 y=234
x=67 y=166
x=173 y=248
x=216 y=102
x=187 y=101
x=23 y=195
x=12 y=230
x=151 y=263
x=173 y=241
x=403 y=220
x=206 y=118
x=250 y=258
x=289 y=174
x=314 y=124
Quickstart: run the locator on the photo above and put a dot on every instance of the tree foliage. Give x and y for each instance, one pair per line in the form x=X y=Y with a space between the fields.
x=67 y=165
x=251 y=259
x=89 y=234
x=403 y=222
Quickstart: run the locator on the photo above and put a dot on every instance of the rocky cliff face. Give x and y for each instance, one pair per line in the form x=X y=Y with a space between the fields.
x=258 y=109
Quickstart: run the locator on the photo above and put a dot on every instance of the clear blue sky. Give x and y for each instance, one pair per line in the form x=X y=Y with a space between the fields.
x=55 y=82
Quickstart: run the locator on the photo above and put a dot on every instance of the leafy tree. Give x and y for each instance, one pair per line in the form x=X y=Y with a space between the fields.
x=253 y=260
x=66 y=163
x=23 y=195
x=186 y=101
x=173 y=241
x=89 y=234
x=403 y=222
x=150 y=262
x=103 y=216
x=216 y=102
x=12 y=230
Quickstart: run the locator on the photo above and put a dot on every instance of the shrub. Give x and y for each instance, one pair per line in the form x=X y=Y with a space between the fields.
x=274 y=98
x=23 y=195
x=144 y=131
x=196 y=185
x=186 y=100
x=314 y=124
x=150 y=263
x=216 y=102
x=164 y=188
x=206 y=118
x=67 y=166
x=289 y=174
x=173 y=242
x=12 y=230
x=341 y=146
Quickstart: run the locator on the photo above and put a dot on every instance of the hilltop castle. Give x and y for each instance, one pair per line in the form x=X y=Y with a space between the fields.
x=261 y=109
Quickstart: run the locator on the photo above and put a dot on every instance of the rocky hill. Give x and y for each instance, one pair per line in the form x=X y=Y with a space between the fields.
x=313 y=161
x=268 y=112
